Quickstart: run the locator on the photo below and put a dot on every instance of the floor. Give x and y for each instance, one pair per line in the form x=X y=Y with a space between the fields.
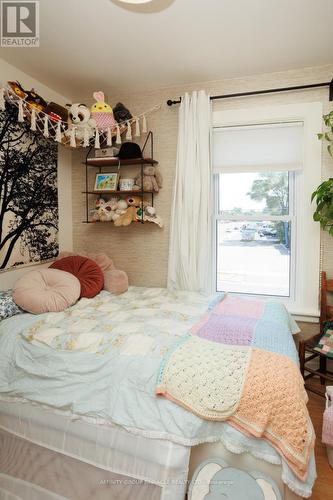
x=323 y=488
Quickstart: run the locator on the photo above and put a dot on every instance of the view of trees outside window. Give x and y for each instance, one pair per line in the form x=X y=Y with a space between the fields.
x=254 y=233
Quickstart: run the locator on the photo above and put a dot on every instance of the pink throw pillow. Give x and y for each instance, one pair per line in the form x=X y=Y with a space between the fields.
x=115 y=281
x=46 y=290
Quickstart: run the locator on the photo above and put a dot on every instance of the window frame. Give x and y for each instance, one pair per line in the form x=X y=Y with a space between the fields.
x=304 y=292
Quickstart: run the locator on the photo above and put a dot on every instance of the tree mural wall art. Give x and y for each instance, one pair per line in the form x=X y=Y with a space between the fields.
x=28 y=194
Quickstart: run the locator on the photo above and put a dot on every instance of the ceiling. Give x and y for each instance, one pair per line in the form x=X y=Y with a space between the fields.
x=88 y=45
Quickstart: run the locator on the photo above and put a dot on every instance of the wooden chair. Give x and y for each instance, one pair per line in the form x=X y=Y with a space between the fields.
x=306 y=350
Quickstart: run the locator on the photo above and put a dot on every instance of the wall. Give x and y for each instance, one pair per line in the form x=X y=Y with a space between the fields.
x=142 y=250
x=9 y=72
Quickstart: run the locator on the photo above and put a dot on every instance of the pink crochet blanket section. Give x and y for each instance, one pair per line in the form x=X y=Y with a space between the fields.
x=272 y=404
x=273 y=407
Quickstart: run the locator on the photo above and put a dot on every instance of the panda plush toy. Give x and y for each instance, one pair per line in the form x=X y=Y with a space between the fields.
x=79 y=117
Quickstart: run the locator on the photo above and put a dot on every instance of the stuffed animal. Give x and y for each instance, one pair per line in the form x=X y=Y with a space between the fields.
x=152 y=179
x=121 y=113
x=35 y=101
x=104 y=210
x=16 y=87
x=98 y=203
x=56 y=112
x=127 y=218
x=79 y=117
x=135 y=201
x=149 y=215
x=31 y=97
x=119 y=208
x=102 y=112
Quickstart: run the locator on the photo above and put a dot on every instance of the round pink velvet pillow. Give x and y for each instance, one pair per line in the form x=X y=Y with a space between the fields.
x=46 y=290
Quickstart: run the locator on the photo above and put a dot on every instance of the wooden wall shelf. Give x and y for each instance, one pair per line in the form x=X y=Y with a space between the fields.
x=138 y=192
x=108 y=161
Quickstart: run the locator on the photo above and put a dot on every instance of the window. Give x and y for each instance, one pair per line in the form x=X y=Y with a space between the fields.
x=255 y=226
x=266 y=163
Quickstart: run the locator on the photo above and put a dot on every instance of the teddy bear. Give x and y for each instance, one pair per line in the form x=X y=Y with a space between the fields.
x=127 y=218
x=152 y=179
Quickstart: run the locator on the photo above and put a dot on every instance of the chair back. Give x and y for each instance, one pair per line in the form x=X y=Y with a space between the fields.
x=326 y=311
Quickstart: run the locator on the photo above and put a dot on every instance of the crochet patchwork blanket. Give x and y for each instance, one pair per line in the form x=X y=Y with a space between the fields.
x=249 y=322
x=259 y=392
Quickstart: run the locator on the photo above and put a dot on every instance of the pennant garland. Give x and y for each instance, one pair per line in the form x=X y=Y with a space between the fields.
x=62 y=132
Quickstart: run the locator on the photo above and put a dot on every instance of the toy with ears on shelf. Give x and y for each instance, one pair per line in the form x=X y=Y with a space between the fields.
x=79 y=116
x=152 y=179
x=102 y=112
x=18 y=90
x=35 y=101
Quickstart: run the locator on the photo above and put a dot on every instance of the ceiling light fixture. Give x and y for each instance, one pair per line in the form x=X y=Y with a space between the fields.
x=135 y=1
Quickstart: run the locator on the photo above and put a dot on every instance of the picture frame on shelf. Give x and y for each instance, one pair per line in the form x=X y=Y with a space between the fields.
x=106 y=181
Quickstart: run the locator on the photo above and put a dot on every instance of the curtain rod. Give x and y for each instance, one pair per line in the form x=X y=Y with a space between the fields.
x=267 y=91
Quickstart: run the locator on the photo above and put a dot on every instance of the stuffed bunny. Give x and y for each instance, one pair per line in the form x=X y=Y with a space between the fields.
x=102 y=112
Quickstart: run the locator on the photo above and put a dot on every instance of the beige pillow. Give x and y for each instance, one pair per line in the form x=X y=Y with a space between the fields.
x=46 y=290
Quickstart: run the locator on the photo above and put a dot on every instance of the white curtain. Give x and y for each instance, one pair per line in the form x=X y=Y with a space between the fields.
x=190 y=252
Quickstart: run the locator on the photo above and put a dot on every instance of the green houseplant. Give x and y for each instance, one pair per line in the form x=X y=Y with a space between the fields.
x=323 y=195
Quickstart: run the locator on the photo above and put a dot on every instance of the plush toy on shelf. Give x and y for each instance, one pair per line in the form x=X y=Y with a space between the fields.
x=136 y=201
x=127 y=218
x=149 y=215
x=119 y=208
x=102 y=112
x=121 y=113
x=96 y=213
x=18 y=90
x=35 y=101
x=56 y=112
x=79 y=117
x=152 y=179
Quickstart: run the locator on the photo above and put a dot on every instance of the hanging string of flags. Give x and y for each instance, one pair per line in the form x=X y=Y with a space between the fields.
x=77 y=125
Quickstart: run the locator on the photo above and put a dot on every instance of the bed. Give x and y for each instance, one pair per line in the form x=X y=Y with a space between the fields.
x=79 y=417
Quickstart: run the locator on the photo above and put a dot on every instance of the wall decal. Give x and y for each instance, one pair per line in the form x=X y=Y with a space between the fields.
x=28 y=194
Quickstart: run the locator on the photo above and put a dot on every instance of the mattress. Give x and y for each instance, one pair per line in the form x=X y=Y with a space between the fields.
x=110 y=380
x=112 y=448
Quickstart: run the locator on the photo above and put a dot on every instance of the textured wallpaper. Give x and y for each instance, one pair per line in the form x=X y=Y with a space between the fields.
x=142 y=250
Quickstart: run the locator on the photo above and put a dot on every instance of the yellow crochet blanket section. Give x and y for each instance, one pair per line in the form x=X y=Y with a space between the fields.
x=205 y=377
x=259 y=392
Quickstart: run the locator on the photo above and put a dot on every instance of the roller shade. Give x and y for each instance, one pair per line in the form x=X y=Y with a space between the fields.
x=255 y=148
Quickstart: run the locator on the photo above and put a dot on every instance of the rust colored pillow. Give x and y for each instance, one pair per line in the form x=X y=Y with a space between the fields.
x=86 y=271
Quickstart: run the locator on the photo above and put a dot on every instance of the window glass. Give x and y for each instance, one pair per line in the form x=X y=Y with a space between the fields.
x=254 y=257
